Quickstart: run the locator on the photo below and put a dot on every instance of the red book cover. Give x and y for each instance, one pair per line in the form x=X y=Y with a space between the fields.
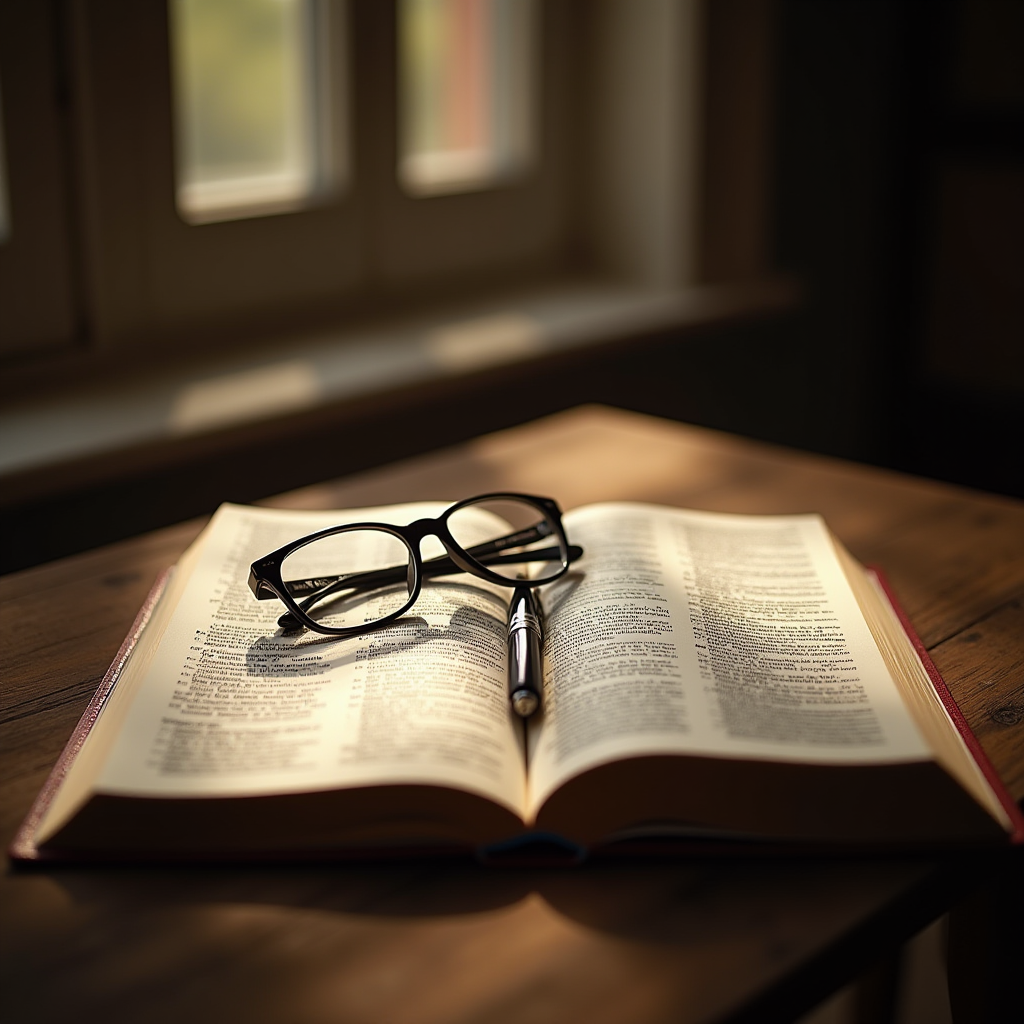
x=1010 y=805
x=23 y=847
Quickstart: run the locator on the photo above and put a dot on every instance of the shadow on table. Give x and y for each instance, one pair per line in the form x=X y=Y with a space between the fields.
x=666 y=902
x=794 y=931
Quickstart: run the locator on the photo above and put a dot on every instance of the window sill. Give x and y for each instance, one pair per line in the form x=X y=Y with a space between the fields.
x=278 y=401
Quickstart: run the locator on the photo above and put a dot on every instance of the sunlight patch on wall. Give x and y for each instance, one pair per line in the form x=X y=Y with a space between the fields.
x=473 y=344
x=240 y=397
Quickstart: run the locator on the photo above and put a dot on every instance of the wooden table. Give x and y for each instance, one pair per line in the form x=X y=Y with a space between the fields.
x=421 y=943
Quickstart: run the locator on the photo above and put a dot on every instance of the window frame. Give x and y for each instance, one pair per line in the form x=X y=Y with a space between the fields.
x=38 y=284
x=618 y=197
x=158 y=280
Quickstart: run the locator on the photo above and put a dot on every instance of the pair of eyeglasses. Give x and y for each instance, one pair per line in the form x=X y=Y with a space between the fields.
x=353 y=579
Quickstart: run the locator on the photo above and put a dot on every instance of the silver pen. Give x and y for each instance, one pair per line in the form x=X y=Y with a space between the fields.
x=525 y=633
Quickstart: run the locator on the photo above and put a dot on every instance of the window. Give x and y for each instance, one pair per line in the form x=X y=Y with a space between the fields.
x=468 y=74
x=558 y=141
x=174 y=259
x=255 y=129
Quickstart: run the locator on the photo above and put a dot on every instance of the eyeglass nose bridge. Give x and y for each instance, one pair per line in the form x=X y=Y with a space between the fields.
x=415 y=533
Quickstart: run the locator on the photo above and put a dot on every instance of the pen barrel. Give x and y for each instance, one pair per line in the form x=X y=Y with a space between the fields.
x=524 y=660
x=525 y=632
x=524 y=686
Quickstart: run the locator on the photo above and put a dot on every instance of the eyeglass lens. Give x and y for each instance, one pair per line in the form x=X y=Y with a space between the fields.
x=350 y=579
x=513 y=538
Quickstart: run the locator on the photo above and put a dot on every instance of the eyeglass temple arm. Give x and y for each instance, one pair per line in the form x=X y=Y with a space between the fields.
x=515 y=539
x=440 y=566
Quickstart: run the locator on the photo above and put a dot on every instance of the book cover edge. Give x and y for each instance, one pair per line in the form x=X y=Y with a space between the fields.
x=23 y=847
x=960 y=723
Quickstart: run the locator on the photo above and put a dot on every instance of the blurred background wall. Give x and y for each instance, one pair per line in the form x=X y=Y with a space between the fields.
x=897 y=201
x=868 y=155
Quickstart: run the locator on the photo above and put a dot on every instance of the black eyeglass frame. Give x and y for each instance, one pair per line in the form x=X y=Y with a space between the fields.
x=266 y=581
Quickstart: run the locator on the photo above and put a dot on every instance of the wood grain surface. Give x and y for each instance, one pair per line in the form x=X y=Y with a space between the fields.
x=696 y=941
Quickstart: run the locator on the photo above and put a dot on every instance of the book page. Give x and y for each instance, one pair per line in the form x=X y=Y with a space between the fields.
x=709 y=634
x=229 y=705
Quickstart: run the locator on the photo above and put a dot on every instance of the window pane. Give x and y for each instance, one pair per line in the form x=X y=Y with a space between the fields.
x=467 y=74
x=249 y=131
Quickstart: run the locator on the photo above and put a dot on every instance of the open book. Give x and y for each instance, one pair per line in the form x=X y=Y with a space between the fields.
x=708 y=678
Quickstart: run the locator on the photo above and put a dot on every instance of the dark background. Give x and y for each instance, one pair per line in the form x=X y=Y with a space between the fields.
x=898 y=203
